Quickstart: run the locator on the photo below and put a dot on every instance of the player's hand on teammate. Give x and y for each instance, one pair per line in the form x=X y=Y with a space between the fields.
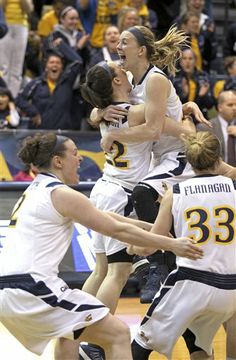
x=185 y=247
x=191 y=108
x=106 y=142
x=114 y=113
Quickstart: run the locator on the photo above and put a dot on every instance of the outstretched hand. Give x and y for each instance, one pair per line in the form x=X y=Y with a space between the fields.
x=185 y=247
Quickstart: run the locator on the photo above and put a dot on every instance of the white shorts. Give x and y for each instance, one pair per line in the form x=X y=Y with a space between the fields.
x=171 y=170
x=36 y=311
x=182 y=304
x=110 y=197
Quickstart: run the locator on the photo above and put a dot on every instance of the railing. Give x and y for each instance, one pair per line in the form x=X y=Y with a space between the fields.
x=21 y=186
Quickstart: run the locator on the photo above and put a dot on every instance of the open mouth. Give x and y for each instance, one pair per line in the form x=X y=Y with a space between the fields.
x=122 y=58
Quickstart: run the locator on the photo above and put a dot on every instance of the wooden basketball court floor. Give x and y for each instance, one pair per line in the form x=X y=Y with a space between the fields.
x=130 y=311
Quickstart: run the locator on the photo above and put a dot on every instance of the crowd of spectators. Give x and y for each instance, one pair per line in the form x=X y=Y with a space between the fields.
x=47 y=47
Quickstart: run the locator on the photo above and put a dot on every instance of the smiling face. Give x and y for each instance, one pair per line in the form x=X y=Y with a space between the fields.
x=130 y=19
x=196 y=5
x=128 y=50
x=70 y=161
x=70 y=20
x=111 y=38
x=54 y=68
x=193 y=24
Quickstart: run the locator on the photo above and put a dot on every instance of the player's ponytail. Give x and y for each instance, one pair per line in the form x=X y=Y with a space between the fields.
x=203 y=150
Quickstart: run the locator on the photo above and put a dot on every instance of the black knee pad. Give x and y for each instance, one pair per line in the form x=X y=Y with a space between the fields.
x=138 y=352
x=120 y=256
x=144 y=200
x=189 y=339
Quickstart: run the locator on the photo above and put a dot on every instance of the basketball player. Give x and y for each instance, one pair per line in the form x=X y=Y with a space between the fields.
x=138 y=52
x=36 y=305
x=197 y=295
x=107 y=83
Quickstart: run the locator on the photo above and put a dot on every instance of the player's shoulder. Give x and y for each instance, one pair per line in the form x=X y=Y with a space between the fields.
x=157 y=80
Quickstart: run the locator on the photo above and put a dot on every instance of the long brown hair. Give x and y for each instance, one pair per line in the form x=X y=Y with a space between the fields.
x=97 y=89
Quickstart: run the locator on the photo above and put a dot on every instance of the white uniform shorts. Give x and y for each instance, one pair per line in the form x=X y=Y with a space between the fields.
x=36 y=311
x=182 y=303
x=109 y=196
x=172 y=169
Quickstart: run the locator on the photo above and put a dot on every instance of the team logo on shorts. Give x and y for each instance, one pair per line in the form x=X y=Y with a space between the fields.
x=89 y=317
x=142 y=334
x=164 y=186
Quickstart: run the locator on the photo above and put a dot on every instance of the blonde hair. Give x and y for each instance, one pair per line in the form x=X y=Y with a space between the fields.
x=203 y=150
x=166 y=52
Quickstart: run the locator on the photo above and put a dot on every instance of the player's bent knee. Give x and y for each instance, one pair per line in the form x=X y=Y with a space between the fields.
x=142 y=193
x=111 y=330
x=144 y=200
x=119 y=334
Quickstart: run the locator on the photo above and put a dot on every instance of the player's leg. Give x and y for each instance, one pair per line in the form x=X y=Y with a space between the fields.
x=119 y=267
x=110 y=333
x=94 y=281
x=160 y=329
x=119 y=262
x=139 y=352
x=194 y=351
x=146 y=197
x=109 y=293
x=145 y=200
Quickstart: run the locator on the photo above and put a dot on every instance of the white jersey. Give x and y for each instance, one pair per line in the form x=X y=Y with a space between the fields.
x=174 y=110
x=36 y=305
x=204 y=208
x=34 y=223
x=127 y=163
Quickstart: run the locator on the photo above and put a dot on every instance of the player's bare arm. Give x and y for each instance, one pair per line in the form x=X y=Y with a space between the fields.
x=139 y=223
x=76 y=206
x=157 y=88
